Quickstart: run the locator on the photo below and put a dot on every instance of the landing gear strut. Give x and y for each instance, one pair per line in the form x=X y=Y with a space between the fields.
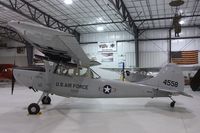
x=34 y=108
x=172 y=104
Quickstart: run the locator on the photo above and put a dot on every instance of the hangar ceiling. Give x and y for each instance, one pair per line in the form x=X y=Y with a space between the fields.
x=84 y=16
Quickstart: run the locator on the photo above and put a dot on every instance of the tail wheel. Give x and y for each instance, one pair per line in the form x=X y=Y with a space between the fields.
x=46 y=100
x=33 y=109
x=172 y=104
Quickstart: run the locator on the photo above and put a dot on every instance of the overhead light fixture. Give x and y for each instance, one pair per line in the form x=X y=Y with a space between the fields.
x=100 y=19
x=100 y=28
x=181 y=11
x=68 y=2
x=181 y=22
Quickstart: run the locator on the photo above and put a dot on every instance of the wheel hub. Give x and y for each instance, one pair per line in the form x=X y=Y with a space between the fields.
x=33 y=109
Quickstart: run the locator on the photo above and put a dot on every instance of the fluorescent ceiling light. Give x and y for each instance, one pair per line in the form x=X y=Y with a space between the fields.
x=181 y=11
x=181 y=22
x=99 y=19
x=68 y=2
x=100 y=28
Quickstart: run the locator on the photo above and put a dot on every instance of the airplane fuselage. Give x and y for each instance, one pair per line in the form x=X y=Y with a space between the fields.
x=84 y=87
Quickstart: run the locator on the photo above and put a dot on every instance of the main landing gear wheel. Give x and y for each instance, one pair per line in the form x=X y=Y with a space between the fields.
x=172 y=104
x=46 y=100
x=33 y=109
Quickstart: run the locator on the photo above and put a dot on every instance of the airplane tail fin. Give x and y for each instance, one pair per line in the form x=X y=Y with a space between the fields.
x=195 y=82
x=170 y=78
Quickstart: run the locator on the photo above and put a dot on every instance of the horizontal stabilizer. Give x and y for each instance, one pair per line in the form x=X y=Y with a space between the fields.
x=185 y=94
x=174 y=92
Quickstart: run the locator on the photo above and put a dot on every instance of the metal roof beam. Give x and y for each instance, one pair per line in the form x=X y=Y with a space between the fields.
x=167 y=28
x=164 y=18
x=6 y=32
x=124 y=13
x=37 y=15
x=103 y=23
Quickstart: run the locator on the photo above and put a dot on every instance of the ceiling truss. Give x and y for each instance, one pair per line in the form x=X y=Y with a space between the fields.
x=124 y=13
x=38 y=16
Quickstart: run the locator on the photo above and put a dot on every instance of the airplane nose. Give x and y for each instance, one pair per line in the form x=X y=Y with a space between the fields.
x=20 y=76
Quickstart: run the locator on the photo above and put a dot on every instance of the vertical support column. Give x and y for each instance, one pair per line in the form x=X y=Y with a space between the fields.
x=136 y=38
x=170 y=46
x=29 y=51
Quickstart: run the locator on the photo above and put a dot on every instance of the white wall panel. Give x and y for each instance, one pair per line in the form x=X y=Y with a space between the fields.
x=154 y=34
x=105 y=37
x=153 y=45
x=153 y=59
x=125 y=52
x=8 y=56
x=187 y=44
x=152 y=53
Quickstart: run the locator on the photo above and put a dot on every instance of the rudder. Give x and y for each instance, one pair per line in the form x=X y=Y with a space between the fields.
x=170 y=78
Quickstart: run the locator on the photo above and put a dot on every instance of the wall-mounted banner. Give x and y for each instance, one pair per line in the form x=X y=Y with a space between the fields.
x=107 y=46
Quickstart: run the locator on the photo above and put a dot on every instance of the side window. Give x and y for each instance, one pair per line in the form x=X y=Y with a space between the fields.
x=83 y=72
x=70 y=72
x=94 y=75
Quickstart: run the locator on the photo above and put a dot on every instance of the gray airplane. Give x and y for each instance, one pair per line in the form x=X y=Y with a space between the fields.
x=67 y=71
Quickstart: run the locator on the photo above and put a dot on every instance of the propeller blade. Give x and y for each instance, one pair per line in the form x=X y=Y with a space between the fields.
x=13 y=84
x=13 y=80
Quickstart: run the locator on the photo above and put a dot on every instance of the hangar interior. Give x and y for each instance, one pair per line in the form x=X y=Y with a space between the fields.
x=138 y=33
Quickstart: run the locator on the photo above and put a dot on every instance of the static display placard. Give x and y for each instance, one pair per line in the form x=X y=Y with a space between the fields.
x=107 y=46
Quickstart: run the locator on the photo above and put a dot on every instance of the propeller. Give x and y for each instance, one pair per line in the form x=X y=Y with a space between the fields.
x=13 y=80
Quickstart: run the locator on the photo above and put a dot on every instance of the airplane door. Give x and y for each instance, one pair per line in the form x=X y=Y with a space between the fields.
x=39 y=82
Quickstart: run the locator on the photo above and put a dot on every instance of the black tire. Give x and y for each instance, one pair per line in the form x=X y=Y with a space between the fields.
x=46 y=100
x=172 y=104
x=33 y=109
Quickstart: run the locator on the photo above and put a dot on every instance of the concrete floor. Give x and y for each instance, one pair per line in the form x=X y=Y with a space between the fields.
x=75 y=115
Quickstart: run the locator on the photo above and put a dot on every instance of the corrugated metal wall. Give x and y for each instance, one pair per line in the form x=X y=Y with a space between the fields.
x=8 y=56
x=151 y=54
x=125 y=50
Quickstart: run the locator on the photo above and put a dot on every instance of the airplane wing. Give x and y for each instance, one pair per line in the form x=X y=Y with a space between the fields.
x=54 y=44
x=66 y=48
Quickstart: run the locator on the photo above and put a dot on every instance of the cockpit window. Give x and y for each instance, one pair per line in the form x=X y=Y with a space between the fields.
x=76 y=71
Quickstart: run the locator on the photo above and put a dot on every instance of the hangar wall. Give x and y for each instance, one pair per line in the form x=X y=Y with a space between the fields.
x=8 y=55
x=125 y=50
x=155 y=53
x=151 y=54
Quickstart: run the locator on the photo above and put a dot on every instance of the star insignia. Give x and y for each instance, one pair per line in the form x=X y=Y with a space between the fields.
x=107 y=89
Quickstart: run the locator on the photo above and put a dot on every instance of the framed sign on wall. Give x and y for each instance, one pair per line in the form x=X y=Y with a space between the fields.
x=107 y=46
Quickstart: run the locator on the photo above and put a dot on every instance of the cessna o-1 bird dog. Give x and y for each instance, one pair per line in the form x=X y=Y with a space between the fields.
x=69 y=73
